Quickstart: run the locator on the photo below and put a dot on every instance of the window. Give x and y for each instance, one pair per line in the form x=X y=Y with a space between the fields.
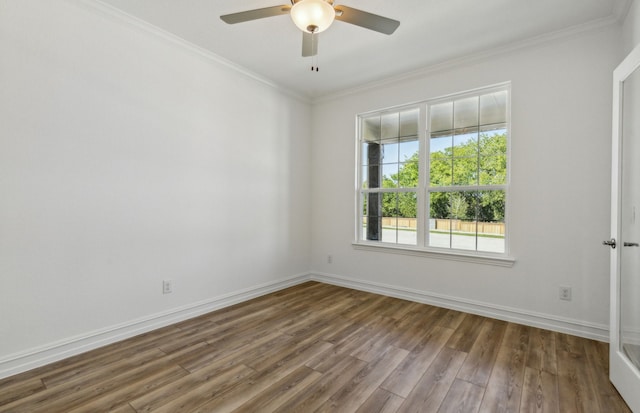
x=434 y=175
x=389 y=152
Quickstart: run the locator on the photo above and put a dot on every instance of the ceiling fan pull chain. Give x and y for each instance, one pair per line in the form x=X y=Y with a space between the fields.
x=313 y=57
x=313 y=47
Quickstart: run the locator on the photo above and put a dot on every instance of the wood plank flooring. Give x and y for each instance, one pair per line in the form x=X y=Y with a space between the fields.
x=321 y=348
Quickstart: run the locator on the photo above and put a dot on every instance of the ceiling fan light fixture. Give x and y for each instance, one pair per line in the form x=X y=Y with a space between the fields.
x=312 y=16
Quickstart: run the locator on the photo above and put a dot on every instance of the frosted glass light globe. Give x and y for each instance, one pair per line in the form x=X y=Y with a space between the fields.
x=312 y=16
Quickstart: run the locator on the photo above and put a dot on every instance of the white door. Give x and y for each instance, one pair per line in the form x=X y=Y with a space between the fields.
x=624 y=369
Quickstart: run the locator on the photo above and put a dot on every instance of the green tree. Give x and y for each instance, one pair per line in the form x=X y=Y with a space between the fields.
x=402 y=204
x=475 y=162
x=458 y=206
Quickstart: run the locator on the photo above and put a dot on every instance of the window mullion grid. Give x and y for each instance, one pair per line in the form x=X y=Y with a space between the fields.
x=467 y=188
x=477 y=206
x=359 y=164
x=395 y=218
x=423 y=177
x=423 y=192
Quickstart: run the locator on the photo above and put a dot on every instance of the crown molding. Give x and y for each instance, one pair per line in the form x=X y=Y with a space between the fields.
x=619 y=12
x=119 y=16
x=543 y=39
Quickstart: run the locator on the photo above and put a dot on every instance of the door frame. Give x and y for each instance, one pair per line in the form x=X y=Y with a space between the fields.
x=622 y=373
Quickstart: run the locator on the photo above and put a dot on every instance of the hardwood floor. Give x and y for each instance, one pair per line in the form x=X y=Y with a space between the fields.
x=317 y=347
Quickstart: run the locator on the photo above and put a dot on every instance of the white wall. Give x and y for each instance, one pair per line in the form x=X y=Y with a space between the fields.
x=631 y=28
x=559 y=196
x=126 y=159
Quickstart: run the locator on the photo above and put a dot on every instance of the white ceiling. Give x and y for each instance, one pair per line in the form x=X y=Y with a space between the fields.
x=430 y=32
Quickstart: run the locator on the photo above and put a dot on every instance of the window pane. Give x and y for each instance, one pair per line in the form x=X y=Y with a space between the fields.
x=363 y=215
x=464 y=236
x=440 y=162
x=407 y=206
x=389 y=231
x=363 y=225
x=467 y=220
x=491 y=206
x=493 y=170
x=408 y=174
x=493 y=108
x=390 y=175
x=389 y=217
x=389 y=204
x=364 y=176
x=493 y=141
x=441 y=117
x=466 y=144
x=371 y=129
x=371 y=159
x=407 y=218
x=442 y=144
x=462 y=211
x=372 y=219
x=462 y=205
x=452 y=221
x=390 y=152
x=439 y=205
x=491 y=227
x=490 y=242
x=440 y=170
x=409 y=122
x=371 y=176
x=439 y=222
x=408 y=149
x=364 y=153
x=373 y=153
x=390 y=125
x=399 y=218
x=465 y=171
x=465 y=113
x=363 y=204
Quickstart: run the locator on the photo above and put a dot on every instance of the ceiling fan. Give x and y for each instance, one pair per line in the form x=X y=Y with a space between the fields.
x=315 y=16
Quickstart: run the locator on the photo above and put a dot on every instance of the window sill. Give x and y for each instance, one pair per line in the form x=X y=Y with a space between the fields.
x=445 y=255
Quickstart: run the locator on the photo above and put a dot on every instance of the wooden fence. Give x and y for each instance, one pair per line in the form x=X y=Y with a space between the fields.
x=455 y=225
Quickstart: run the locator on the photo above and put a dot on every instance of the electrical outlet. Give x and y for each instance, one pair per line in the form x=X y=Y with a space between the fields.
x=565 y=293
x=167 y=286
x=329 y=259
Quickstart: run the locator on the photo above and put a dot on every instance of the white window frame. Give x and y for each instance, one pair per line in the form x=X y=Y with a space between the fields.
x=422 y=248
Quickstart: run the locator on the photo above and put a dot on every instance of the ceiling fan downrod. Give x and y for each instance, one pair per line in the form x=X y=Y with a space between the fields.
x=313 y=29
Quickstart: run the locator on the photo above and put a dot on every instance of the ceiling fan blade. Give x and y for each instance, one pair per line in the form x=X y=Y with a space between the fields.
x=245 y=16
x=367 y=20
x=309 y=44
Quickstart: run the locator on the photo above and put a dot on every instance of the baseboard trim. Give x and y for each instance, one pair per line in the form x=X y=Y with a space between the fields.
x=52 y=352
x=632 y=336
x=574 y=327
